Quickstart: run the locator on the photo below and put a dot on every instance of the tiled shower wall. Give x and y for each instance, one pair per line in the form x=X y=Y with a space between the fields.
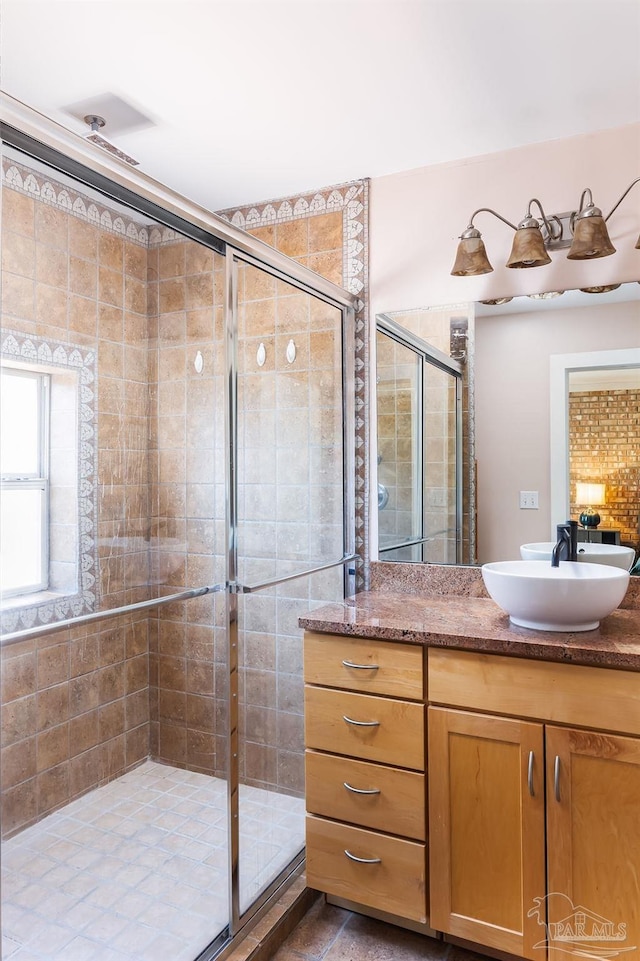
x=188 y=693
x=451 y=330
x=604 y=440
x=75 y=704
x=188 y=507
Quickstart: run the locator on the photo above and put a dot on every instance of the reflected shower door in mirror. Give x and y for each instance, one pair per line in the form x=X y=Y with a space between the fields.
x=419 y=398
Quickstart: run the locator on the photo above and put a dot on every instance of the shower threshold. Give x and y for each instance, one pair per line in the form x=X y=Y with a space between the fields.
x=137 y=870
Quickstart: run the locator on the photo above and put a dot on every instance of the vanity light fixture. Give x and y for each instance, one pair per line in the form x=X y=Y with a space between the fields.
x=583 y=230
x=600 y=289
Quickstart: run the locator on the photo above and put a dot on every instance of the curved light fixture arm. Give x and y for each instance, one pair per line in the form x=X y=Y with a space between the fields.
x=495 y=213
x=615 y=206
x=553 y=227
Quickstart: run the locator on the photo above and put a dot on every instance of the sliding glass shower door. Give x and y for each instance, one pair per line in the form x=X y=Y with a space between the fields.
x=202 y=400
x=287 y=551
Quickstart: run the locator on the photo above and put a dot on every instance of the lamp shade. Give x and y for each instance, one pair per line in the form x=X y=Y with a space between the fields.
x=528 y=248
x=590 y=494
x=590 y=239
x=471 y=258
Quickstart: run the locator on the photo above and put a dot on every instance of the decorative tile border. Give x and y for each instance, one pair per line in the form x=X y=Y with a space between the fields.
x=35 y=184
x=353 y=199
x=29 y=349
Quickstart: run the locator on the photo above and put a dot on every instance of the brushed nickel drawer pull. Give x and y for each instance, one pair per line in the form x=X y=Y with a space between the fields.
x=359 y=790
x=556 y=777
x=352 y=857
x=361 y=667
x=350 y=720
x=530 y=775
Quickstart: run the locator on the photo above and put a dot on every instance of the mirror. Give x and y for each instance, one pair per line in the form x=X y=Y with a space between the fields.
x=508 y=434
x=419 y=428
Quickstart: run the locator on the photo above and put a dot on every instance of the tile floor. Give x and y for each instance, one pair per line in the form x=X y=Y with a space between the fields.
x=328 y=933
x=136 y=870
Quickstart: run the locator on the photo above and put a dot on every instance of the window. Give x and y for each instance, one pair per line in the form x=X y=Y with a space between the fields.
x=24 y=469
x=48 y=470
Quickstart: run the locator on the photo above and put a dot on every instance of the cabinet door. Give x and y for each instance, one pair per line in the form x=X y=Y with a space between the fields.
x=486 y=828
x=593 y=838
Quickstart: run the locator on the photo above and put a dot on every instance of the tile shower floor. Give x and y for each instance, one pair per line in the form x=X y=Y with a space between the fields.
x=136 y=870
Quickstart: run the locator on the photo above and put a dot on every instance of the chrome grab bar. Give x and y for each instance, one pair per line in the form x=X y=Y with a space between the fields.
x=252 y=589
x=353 y=857
x=359 y=790
x=234 y=588
x=350 y=720
x=43 y=629
x=361 y=667
x=416 y=541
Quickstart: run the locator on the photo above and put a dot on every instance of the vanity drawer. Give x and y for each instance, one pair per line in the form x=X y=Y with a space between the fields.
x=381 y=667
x=397 y=808
x=396 y=883
x=378 y=729
x=592 y=697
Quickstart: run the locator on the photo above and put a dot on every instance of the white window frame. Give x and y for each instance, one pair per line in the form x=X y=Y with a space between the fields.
x=38 y=480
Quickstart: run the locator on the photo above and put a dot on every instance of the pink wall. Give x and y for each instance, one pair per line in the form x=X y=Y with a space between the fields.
x=416 y=217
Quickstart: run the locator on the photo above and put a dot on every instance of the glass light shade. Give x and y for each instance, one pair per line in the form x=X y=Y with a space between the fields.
x=638 y=244
x=590 y=239
x=589 y=494
x=528 y=249
x=471 y=258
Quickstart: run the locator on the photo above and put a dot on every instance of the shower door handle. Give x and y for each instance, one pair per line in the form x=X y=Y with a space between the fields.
x=236 y=588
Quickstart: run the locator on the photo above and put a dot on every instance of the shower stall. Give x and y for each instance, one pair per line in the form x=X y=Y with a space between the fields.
x=177 y=489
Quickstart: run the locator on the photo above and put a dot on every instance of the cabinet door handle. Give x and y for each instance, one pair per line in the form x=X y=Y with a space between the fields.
x=352 y=857
x=530 y=775
x=350 y=720
x=361 y=667
x=359 y=790
x=556 y=777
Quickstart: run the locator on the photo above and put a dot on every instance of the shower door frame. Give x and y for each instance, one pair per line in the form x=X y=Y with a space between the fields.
x=429 y=356
x=234 y=257
x=30 y=132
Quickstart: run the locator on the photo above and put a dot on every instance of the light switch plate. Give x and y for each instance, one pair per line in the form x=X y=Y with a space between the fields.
x=529 y=500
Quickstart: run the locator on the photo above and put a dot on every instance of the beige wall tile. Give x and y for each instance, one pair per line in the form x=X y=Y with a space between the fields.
x=52 y=747
x=52 y=226
x=293 y=238
x=18 y=254
x=18 y=213
x=326 y=231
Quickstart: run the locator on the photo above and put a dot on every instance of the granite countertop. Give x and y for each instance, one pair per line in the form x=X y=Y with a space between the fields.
x=475 y=623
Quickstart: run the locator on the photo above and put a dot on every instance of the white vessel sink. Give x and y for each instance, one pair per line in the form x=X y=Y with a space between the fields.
x=611 y=554
x=571 y=597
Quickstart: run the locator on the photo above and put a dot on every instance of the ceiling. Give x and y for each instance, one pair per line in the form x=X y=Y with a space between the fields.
x=238 y=101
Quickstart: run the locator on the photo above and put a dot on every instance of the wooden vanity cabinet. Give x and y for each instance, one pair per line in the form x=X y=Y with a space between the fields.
x=486 y=828
x=494 y=830
x=593 y=837
x=365 y=773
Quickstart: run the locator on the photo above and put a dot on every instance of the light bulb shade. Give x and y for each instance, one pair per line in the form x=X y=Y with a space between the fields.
x=528 y=249
x=638 y=244
x=590 y=239
x=471 y=258
x=589 y=494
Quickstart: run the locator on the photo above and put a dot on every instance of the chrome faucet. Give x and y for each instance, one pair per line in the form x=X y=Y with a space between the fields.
x=567 y=544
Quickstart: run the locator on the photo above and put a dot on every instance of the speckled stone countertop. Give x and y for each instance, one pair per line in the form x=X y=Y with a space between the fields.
x=437 y=610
